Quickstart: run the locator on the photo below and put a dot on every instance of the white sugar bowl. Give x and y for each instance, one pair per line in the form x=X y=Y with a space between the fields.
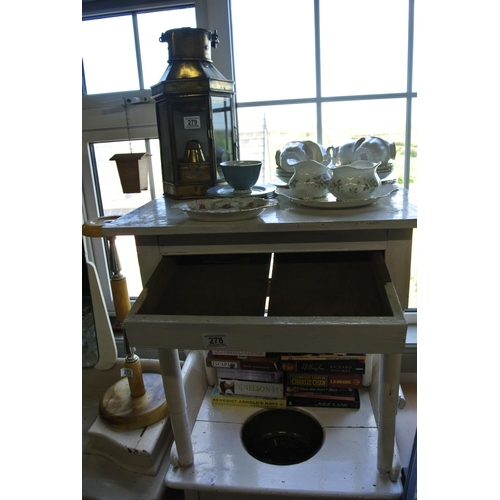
x=354 y=181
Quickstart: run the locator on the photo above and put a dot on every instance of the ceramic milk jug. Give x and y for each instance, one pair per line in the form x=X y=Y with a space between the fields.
x=310 y=179
x=355 y=181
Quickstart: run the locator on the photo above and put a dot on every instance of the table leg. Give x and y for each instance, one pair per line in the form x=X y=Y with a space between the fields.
x=177 y=406
x=388 y=396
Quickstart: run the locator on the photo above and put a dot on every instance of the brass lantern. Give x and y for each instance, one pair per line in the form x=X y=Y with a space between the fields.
x=196 y=117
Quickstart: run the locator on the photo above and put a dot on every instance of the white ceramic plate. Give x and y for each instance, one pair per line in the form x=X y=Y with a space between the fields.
x=330 y=202
x=234 y=209
x=385 y=170
x=228 y=191
x=283 y=176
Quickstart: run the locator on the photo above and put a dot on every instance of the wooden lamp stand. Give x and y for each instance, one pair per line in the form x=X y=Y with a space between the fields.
x=137 y=400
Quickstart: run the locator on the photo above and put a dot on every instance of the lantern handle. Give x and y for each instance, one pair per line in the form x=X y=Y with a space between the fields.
x=215 y=39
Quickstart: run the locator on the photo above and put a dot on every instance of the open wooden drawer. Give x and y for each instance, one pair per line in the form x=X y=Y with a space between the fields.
x=301 y=301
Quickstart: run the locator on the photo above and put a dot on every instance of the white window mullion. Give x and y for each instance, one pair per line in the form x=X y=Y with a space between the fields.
x=138 y=50
x=95 y=247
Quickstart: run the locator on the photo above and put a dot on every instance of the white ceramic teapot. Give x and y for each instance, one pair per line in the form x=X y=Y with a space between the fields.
x=376 y=149
x=369 y=148
x=291 y=154
x=342 y=155
x=355 y=181
x=311 y=179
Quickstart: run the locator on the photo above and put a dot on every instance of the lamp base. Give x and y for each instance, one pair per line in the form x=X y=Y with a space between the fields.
x=119 y=409
x=141 y=450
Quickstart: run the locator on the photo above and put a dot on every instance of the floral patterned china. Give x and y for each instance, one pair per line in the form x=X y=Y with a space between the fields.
x=232 y=209
x=369 y=148
x=296 y=151
x=310 y=180
x=330 y=202
x=383 y=171
x=354 y=181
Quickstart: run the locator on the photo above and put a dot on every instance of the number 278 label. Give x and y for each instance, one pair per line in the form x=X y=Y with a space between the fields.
x=191 y=122
x=212 y=341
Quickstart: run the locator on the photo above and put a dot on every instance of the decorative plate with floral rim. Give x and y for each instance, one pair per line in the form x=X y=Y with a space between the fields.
x=330 y=202
x=224 y=209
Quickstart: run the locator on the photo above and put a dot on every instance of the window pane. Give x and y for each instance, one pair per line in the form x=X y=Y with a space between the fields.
x=273 y=43
x=109 y=55
x=413 y=151
x=364 y=46
x=154 y=54
x=266 y=129
x=114 y=201
x=350 y=120
x=223 y=130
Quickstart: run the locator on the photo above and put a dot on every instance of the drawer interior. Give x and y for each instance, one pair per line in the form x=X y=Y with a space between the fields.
x=265 y=284
x=328 y=284
x=209 y=285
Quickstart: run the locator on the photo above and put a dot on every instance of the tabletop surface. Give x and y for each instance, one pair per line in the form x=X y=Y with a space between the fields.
x=159 y=217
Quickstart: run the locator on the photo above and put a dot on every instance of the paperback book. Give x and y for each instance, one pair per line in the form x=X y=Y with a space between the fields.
x=250 y=388
x=316 y=402
x=326 y=381
x=323 y=365
x=323 y=397
x=270 y=362
x=238 y=400
x=319 y=390
x=261 y=376
x=346 y=356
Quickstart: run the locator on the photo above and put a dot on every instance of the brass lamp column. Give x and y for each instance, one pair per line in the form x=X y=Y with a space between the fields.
x=196 y=117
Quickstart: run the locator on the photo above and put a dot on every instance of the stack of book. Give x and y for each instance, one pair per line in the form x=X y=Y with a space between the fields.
x=247 y=378
x=323 y=380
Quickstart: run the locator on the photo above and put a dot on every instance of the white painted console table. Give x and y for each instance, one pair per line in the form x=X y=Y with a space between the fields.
x=179 y=287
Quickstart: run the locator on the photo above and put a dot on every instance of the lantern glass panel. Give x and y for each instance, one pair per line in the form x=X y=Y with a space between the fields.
x=190 y=124
x=223 y=131
x=162 y=117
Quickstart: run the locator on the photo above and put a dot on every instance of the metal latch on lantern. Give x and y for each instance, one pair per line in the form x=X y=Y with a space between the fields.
x=214 y=38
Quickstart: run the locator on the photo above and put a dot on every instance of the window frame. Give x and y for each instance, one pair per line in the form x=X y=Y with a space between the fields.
x=99 y=126
x=110 y=129
x=409 y=95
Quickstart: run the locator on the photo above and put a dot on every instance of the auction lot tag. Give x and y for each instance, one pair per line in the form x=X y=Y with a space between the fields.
x=127 y=372
x=191 y=122
x=214 y=341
